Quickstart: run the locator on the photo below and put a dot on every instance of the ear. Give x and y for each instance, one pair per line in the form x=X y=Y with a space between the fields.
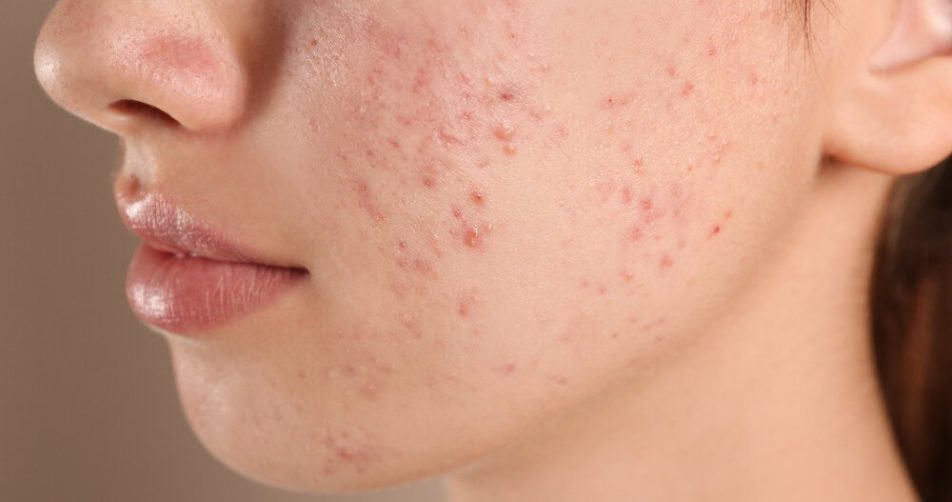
x=891 y=93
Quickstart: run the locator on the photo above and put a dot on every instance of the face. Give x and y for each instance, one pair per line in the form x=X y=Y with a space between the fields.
x=505 y=208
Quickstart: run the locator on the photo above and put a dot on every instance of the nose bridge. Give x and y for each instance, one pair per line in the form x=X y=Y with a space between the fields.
x=123 y=63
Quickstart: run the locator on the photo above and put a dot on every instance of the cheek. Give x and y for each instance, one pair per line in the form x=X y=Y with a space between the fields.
x=484 y=186
x=502 y=226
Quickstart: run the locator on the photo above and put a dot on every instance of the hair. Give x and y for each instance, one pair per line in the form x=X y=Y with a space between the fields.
x=910 y=306
x=911 y=309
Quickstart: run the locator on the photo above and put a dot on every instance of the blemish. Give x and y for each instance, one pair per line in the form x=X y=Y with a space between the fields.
x=477 y=198
x=462 y=309
x=626 y=195
x=472 y=236
x=429 y=182
x=504 y=132
x=367 y=201
x=687 y=89
x=666 y=262
x=510 y=150
x=638 y=165
x=636 y=233
x=559 y=380
x=448 y=138
x=507 y=369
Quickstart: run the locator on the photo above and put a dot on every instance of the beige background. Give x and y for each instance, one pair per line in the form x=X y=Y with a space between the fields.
x=88 y=411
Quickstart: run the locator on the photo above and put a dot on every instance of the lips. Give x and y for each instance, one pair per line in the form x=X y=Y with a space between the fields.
x=187 y=279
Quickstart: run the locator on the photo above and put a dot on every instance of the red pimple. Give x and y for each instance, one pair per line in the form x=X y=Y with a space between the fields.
x=508 y=368
x=429 y=182
x=471 y=236
x=626 y=195
x=666 y=262
x=507 y=96
x=510 y=150
x=478 y=198
x=504 y=133
x=462 y=310
x=687 y=89
x=638 y=165
x=636 y=233
x=366 y=200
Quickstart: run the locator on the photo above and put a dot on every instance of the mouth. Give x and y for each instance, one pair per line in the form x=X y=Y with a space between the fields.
x=185 y=278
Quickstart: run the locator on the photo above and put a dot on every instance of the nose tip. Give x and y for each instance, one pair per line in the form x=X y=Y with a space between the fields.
x=125 y=71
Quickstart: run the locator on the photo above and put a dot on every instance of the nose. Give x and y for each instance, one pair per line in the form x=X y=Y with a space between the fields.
x=129 y=65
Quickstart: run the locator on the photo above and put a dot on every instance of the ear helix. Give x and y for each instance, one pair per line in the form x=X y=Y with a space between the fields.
x=922 y=30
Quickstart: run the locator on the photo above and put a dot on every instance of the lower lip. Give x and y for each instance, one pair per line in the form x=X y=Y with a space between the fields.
x=189 y=295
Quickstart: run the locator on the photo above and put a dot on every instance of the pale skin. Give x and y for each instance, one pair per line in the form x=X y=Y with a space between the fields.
x=616 y=250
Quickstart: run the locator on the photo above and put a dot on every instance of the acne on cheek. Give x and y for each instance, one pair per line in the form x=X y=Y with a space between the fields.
x=347 y=452
x=438 y=109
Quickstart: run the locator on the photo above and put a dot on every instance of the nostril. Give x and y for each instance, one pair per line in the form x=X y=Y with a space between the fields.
x=142 y=111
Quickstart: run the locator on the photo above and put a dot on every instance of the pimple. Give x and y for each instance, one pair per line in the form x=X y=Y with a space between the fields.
x=687 y=89
x=429 y=182
x=367 y=201
x=504 y=132
x=638 y=165
x=477 y=198
x=647 y=205
x=636 y=233
x=473 y=236
x=626 y=195
x=666 y=262
x=507 y=369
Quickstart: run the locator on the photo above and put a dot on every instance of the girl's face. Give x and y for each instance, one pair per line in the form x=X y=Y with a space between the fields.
x=507 y=208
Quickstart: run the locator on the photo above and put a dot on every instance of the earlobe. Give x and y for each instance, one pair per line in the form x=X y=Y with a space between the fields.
x=893 y=112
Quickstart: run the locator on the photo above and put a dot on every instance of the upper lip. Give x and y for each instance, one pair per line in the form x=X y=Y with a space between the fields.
x=166 y=226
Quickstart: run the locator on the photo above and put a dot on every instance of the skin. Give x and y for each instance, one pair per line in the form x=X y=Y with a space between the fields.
x=548 y=243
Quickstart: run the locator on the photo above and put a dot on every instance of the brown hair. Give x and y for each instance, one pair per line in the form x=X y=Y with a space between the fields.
x=911 y=308
x=911 y=316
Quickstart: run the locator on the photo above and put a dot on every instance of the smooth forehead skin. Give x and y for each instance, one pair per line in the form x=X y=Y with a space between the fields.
x=507 y=208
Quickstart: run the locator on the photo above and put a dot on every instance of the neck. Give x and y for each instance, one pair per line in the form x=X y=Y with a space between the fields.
x=779 y=402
